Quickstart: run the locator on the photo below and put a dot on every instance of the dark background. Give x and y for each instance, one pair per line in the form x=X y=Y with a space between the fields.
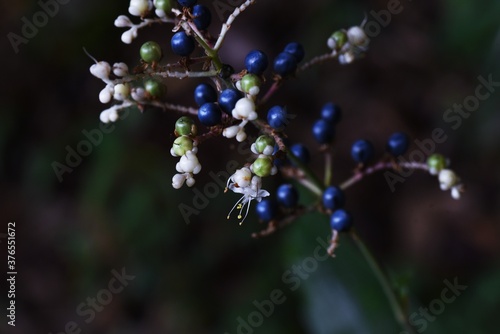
x=117 y=209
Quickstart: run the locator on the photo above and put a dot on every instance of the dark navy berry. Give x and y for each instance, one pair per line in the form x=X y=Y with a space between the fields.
x=285 y=64
x=333 y=198
x=362 y=151
x=323 y=131
x=182 y=44
x=301 y=152
x=226 y=71
x=266 y=210
x=287 y=195
x=277 y=118
x=398 y=143
x=331 y=113
x=256 y=62
x=209 y=114
x=295 y=49
x=202 y=17
x=228 y=99
x=341 y=220
x=187 y=3
x=204 y=93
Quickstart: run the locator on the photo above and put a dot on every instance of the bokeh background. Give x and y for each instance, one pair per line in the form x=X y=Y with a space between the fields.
x=117 y=209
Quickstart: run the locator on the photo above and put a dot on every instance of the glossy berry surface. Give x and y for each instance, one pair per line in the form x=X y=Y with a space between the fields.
x=362 y=151
x=266 y=210
x=398 y=144
x=182 y=44
x=202 y=17
x=277 y=118
x=187 y=3
x=256 y=62
x=184 y=126
x=165 y=5
x=155 y=88
x=323 y=131
x=285 y=64
x=209 y=114
x=287 y=195
x=331 y=113
x=150 y=52
x=301 y=152
x=204 y=93
x=228 y=98
x=341 y=220
x=295 y=49
x=333 y=198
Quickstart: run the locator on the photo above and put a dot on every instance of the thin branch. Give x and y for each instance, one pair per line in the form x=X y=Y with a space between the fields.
x=227 y=25
x=359 y=175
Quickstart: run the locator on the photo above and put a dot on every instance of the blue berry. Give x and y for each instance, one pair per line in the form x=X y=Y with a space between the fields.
x=362 y=151
x=287 y=195
x=186 y=3
x=398 y=143
x=277 y=118
x=331 y=113
x=333 y=198
x=182 y=44
x=209 y=114
x=301 y=152
x=204 y=93
x=228 y=99
x=295 y=49
x=285 y=64
x=266 y=210
x=323 y=131
x=256 y=62
x=202 y=17
x=341 y=220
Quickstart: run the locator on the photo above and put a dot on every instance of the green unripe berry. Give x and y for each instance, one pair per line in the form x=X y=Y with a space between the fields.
x=337 y=40
x=185 y=126
x=262 y=166
x=165 y=5
x=181 y=145
x=436 y=163
x=250 y=83
x=155 y=88
x=264 y=141
x=150 y=52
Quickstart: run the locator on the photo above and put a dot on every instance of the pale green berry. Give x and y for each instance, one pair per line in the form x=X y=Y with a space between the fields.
x=436 y=163
x=337 y=40
x=165 y=5
x=262 y=166
x=262 y=142
x=185 y=126
x=182 y=145
x=150 y=52
x=250 y=83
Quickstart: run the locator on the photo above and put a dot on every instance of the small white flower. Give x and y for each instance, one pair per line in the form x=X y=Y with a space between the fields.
x=455 y=192
x=251 y=190
x=104 y=116
x=447 y=179
x=120 y=69
x=189 y=163
x=244 y=110
x=178 y=180
x=241 y=136
x=123 y=21
x=113 y=115
x=138 y=94
x=106 y=94
x=101 y=70
x=129 y=35
x=140 y=7
x=231 y=131
x=357 y=37
x=347 y=57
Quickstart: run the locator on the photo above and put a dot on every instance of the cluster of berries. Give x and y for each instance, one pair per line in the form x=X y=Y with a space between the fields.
x=231 y=101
